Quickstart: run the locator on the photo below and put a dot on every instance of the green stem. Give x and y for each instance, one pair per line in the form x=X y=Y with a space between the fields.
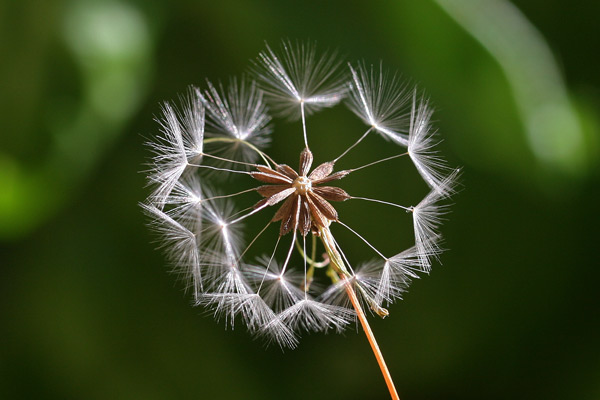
x=311 y=261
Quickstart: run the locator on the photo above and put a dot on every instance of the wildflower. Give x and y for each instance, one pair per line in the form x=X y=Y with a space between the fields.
x=222 y=134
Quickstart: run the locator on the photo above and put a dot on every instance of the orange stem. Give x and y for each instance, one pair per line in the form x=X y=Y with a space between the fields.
x=338 y=268
x=371 y=338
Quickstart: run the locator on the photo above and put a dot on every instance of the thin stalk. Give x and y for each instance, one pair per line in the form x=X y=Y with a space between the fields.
x=378 y=161
x=313 y=253
x=371 y=338
x=313 y=256
x=311 y=260
x=262 y=154
x=354 y=145
x=308 y=276
x=303 y=123
x=338 y=263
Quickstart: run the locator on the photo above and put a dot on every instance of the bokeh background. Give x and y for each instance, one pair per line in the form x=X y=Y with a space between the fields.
x=88 y=308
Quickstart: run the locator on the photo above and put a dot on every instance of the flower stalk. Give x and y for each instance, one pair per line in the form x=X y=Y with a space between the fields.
x=200 y=213
x=337 y=264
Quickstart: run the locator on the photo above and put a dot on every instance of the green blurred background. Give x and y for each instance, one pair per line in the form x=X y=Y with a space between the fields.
x=88 y=309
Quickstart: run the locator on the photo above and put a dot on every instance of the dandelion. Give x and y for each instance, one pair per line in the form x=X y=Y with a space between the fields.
x=211 y=174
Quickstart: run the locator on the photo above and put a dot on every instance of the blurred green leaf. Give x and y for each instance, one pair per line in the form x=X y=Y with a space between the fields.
x=110 y=44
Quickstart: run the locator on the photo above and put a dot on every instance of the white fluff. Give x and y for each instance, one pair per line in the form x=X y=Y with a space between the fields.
x=298 y=75
x=236 y=112
x=380 y=100
x=204 y=192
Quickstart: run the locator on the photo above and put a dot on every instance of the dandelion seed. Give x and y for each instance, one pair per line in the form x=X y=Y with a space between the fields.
x=380 y=99
x=308 y=314
x=238 y=120
x=300 y=81
x=427 y=218
x=182 y=142
x=421 y=148
x=304 y=281
x=279 y=289
x=180 y=244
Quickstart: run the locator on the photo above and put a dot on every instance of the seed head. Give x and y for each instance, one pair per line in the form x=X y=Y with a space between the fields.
x=303 y=281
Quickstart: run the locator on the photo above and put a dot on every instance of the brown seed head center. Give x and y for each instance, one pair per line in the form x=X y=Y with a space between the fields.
x=302 y=185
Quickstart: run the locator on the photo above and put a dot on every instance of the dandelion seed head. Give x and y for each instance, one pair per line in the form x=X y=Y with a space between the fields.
x=292 y=276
